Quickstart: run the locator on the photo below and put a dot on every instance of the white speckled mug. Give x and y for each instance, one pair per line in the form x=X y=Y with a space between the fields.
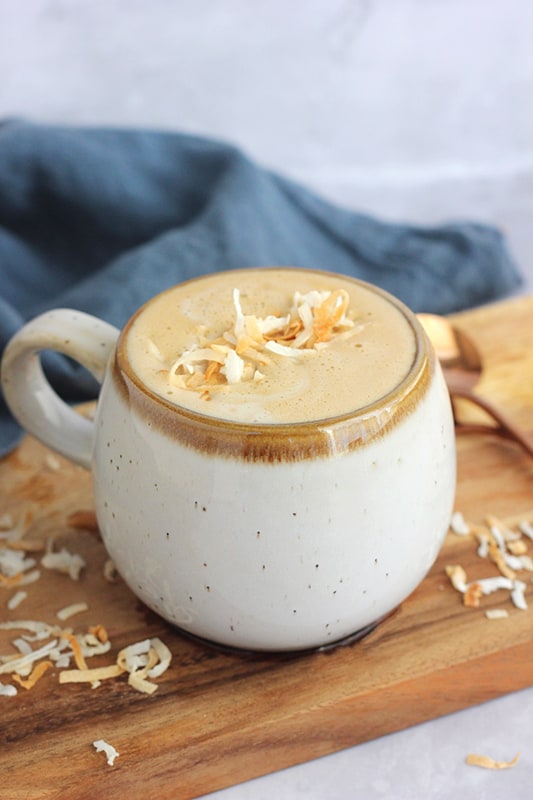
x=261 y=535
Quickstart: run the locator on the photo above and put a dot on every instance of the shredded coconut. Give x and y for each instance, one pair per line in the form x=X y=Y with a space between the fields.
x=506 y=549
x=314 y=320
x=459 y=525
x=496 y=613
x=111 y=754
x=71 y=610
x=475 y=760
x=63 y=561
x=16 y=600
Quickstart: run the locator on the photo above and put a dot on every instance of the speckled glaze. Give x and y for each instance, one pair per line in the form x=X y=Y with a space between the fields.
x=279 y=537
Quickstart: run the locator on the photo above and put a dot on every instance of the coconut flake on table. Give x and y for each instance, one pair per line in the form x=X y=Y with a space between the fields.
x=490 y=585
x=71 y=610
x=39 y=630
x=23 y=646
x=457 y=577
x=16 y=599
x=476 y=760
x=459 y=525
x=110 y=752
x=13 y=562
x=518 y=595
x=500 y=530
x=11 y=531
x=20 y=664
x=63 y=561
x=496 y=613
x=526 y=529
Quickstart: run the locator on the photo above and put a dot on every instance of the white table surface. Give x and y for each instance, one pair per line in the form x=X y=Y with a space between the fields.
x=413 y=110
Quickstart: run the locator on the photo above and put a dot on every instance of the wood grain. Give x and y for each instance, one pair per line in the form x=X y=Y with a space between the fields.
x=218 y=719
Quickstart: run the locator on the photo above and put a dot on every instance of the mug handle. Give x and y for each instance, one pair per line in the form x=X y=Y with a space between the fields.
x=32 y=401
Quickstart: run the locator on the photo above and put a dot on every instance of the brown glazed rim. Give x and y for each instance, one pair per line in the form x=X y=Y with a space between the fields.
x=278 y=442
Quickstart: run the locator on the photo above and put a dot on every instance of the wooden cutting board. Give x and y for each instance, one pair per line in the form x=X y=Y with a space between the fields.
x=217 y=719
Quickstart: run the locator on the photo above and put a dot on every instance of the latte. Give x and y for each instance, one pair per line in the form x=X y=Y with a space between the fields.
x=271 y=346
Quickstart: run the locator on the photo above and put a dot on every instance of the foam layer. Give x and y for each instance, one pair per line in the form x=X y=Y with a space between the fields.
x=347 y=374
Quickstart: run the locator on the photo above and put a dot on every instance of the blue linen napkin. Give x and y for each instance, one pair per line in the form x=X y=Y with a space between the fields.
x=102 y=219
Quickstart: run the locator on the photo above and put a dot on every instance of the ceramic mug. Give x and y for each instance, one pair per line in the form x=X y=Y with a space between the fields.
x=255 y=535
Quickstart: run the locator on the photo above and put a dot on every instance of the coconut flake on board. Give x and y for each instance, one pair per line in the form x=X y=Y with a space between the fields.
x=504 y=546
x=101 y=746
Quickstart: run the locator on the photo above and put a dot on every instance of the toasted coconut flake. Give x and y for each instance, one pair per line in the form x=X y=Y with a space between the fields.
x=457 y=577
x=90 y=675
x=16 y=599
x=526 y=528
x=148 y=658
x=496 y=613
x=29 y=577
x=484 y=543
x=76 y=649
x=141 y=684
x=489 y=585
x=40 y=629
x=63 y=561
x=19 y=664
x=22 y=646
x=459 y=525
x=501 y=529
x=36 y=673
x=110 y=753
x=13 y=563
x=518 y=595
x=499 y=559
x=497 y=537
x=314 y=320
x=329 y=314
x=527 y=563
x=517 y=547
x=71 y=610
x=7 y=690
x=472 y=595
x=233 y=367
x=52 y=462
x=99 y=632
x=91 y=646
x=164 y=655
x=129 y=657
x=286 y=351
x=110 y=571
x=475 y=760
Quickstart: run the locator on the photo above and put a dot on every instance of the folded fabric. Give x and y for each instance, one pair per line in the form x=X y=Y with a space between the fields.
x=102 y=219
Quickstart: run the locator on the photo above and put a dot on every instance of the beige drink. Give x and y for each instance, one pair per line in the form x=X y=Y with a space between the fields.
x=297 y=355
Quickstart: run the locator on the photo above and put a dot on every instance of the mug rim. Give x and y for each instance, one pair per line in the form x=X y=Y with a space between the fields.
x=414 y=382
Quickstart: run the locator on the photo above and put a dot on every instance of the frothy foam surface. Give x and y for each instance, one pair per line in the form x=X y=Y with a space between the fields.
x=347 y=374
